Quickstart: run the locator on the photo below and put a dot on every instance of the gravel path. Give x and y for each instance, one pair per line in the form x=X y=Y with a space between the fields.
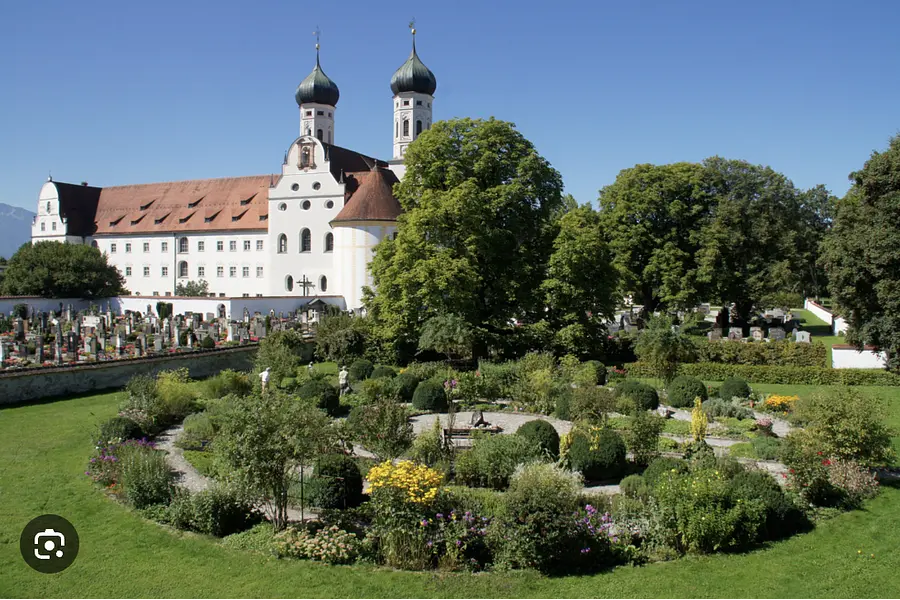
x=780 y=427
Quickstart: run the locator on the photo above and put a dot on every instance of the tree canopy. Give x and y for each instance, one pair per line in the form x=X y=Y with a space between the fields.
x=474 y=237
x=56 y=270
x=192 y=288
x=861 y=254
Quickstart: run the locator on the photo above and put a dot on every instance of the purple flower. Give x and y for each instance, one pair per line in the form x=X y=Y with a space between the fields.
x=585 y=550
x=439 y=516
x=458 y=543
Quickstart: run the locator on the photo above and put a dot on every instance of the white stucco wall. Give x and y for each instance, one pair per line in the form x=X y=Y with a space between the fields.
x=48 y=225
x=354 y=242
x=818 y=310
x=412 y=107
x=840 y=326
x=850 y=358
x=42 y=304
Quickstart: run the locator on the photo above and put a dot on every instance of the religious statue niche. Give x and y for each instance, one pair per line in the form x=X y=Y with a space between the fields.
x=307 y=155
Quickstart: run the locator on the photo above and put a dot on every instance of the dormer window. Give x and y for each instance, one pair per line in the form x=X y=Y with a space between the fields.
x=210 y=218
x=195 y=202
x=238 y=217
x=185 y=219
x=161 y=219
x=148 y=205
x=247 y=201
x=115 y=222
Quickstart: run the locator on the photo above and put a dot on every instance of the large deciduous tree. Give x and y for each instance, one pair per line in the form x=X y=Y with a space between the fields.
x=581 y=285
x=652 y=217
x=474 y=238
x=861 y=254
x=192 y=288
x=55 y=270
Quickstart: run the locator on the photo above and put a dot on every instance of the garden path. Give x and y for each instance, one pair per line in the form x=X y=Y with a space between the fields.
x=780 y=427
x=190 y=478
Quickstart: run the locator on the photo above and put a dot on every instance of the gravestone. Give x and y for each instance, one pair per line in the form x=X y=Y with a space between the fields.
x=76 y=327
x=91 y=321
x=43 y=320
x=87 y=344
x=246 y=315
x=802 y=337
x=101 y=343
x=210 y=317
x=142 y=340
x=735 y=334
x=120 y=345
x=2 y=352
x=138 y=348
x=92 y=345
x=776 y=334
x=757 y=334
x=72 y=343
x=714 y=335
x=19 y=329
x=39 y=349
x=59 y=351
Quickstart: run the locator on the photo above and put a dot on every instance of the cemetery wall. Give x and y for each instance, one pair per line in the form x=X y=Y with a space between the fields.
x=30 y=386
x=840 y=326
x=819 y=310
x=848 y=357
x=7 y=303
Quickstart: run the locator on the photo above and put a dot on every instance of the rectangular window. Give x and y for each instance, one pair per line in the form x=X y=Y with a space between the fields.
x=53 y=225
x=112 y=248
x=259 y=295
x=245 y=272
x=165 y=271
x=418 y=103
x=201 y=271
x=201 y=246
x=246 y=295
x=309 y=113
x=168 y=293
x=220 y=245
x=220 y=271
x=259 y=244
x=221 y=295
x=146 y=271
x=146 y=246
x=406 y=103
x=43 y=226
x=246 y=245
x=164 y=246
x=155 y=294
x=232 y=245
x=127 y=271
x=320 y=113
x=232 y=271
x=127 y=248
x=259 y=271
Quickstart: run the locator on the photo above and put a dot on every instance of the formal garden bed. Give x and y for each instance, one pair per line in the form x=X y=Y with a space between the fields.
x=385 y=492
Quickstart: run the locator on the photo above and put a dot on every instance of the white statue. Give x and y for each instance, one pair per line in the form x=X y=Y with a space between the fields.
x=264 y=378
x=344 y=380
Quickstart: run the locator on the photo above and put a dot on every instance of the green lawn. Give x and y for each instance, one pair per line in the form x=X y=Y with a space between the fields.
x=45 y=446
x=820 y=330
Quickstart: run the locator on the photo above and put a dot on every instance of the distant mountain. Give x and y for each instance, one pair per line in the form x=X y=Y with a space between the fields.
x=15 y=228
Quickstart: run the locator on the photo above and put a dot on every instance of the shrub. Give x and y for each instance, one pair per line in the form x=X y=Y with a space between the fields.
x=405 y=386
x=146 y=477
x=177 y=395
x=427 y=370
x=375 y=389
x=361 y=369
x=429 y=449
x=600 y=457
x=331 y=545
x=480 y=501
x=643 y=437
x=777 y=374
x=143 y=398
x=208 y=343
x=493 y=459
x=782 y=517
x=323 y=394
x=659 y=467
x=734 y=387
x=644 y=396
x=499 y=378
x=766 y=448
x=225 y=383
x=718 y=407
x=857 y=482
x=287 y=383
x=592 y=370
x=382 y=428
x=543 y=435
x=682 y=391
x=221 y=511
x=119 y=429
x=563 y=407
x=198 y=432
x=591 y=404
x=634 y=486
x=536 y=390
x=539 y=507
x=383 y=371
x=430 y=395
x=339 y=483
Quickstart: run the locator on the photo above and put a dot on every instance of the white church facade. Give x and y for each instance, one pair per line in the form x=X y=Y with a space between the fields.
x=305 y=232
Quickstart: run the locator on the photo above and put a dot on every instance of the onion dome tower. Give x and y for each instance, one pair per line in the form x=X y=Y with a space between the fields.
x=317 y=96
x=413 y=85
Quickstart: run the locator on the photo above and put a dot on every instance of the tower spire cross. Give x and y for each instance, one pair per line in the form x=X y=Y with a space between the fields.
x=318 y=34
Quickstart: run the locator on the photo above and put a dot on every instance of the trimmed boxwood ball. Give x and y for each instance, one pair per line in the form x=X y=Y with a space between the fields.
x=324 y=394
x=734 y=387
x=361 y=369
x=208 y=343
x=606 y=462
x=430 y=395
x=337 y=482
x=683 y=389
x=542 y=434
x=120 y=428
x=382 y=371
x=644 y=396
x=405 y=386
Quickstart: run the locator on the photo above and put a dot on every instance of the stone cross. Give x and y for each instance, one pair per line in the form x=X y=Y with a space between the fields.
x=305 y=284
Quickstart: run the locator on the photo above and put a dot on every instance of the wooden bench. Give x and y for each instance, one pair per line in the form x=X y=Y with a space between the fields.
x=466 y=433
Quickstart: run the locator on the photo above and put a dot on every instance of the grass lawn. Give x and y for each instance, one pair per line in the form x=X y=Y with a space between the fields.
x=45 y=447
x=820 y=330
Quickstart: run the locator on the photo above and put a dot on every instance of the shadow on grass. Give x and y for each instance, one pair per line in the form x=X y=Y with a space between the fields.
x=62 y=398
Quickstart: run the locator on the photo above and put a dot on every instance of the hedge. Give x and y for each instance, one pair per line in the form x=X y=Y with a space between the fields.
x=774 y=374
x=775 y=353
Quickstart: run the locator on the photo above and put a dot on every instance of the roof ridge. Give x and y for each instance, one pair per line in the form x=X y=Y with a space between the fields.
x=132 y=185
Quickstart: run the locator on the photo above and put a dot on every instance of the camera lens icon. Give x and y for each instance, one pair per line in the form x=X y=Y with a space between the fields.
x=49 y=544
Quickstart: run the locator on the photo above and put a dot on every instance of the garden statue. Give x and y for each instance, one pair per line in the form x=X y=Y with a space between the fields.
x=264 y=378
x=309 y=369
x=343 y=380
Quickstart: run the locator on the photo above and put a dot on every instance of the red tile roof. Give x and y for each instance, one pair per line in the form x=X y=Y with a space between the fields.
x=369 y=197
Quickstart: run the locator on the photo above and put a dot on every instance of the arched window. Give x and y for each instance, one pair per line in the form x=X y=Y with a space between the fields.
x=329 y=242
x=319 y=135
x=305 y=241
x=405 y=128
x=94 y=244
x=304 y=157
x=289 y=283
x=418 y=128
x=183 y=245
x=323 y=283
x=282 y=244
x=396 y=129
x=183 y=269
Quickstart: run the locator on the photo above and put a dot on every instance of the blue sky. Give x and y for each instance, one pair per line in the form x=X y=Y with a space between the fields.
x=126 y=92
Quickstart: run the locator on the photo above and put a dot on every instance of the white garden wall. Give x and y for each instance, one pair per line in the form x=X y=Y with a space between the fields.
x=848 y=357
